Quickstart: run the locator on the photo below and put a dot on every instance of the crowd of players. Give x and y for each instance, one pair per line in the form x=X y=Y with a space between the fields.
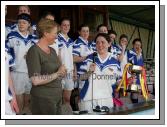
x=44 y=62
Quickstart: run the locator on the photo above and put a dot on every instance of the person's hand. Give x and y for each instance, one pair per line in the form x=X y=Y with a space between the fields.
x=138 y=51
x=123 y=48
x=92 y=67
x=62 y=71
x=14 y=105
x=83 y=58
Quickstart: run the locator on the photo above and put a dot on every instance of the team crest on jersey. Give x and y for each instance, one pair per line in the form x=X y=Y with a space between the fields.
x=18 y=43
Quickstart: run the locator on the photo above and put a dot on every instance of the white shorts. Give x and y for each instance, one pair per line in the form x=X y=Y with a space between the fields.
x=67 y=82
x=87 y=105
x=21 y=83
x=8 y=109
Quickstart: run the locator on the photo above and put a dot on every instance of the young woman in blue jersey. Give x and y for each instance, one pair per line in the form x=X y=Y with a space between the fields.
x=26 y=10
x=135 y=54
x=97 y=75
x=135 y=57
x=65 y=45
x=82 y=47
x=113 y=47
x=19 y=42
x=122 y=52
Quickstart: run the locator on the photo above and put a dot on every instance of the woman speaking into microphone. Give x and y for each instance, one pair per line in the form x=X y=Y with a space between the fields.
x=104 y=70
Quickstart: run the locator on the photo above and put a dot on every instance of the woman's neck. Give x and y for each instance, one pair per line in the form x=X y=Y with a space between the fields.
x=24 y=33
x=44 y=45
x=85 y=39
x=65 y=35
x=103 y=55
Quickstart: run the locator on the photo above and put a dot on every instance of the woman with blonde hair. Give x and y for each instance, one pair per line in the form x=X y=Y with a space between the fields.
x=45 y=71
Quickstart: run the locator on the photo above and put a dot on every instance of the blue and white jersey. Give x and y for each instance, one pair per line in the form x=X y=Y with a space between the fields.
x=7 y=30
x=66 y=49
x=134 y=58
x=9 y=62
x=19 y=46
x=81 y=48
x=93 y=46
x=115 y=51
x=55 y=46
x=106 y=73
x=14 y=27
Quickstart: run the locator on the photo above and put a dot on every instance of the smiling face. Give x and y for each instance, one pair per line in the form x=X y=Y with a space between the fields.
x=65 y=26
x=137 y=45
x=112 y=37
x=102 y=45
x=84 y=32
x=123 y=41
x=23 y=25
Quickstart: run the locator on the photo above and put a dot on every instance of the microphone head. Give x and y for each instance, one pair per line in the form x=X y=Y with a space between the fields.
x=94 y=55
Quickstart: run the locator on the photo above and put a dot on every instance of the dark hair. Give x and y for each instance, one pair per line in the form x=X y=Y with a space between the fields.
x=64 y=18
x=106 y=36
x=98 y=27
x=136 y=39
x=24 y=16
x=123 y=36
x=112 y=32
x=81 y=26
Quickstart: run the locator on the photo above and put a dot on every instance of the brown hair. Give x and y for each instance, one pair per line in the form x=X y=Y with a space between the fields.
x=45 y=25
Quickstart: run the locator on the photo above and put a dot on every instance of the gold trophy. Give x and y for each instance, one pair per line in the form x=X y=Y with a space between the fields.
x=134 y=70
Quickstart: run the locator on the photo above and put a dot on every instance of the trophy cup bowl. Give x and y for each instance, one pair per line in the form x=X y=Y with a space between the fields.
x=134 y=69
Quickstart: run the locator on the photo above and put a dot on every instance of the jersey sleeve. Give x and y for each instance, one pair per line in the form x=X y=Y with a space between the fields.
x=135 y=59
x=86 y=65
x=77 y=49
x=33 y=62
x=9 y=41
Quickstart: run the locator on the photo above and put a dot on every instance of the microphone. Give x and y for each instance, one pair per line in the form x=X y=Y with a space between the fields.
x=94 y=55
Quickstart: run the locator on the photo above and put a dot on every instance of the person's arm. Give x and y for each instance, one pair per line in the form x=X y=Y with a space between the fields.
x=44 y=79
x=121 y=56
x=77 y=59
x=13 y=102
x=87 y=74
x=59 y=55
